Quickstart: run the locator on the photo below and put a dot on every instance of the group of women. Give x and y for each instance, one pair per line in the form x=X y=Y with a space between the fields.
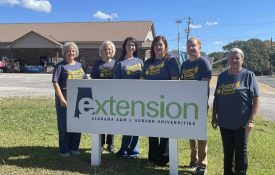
x=234 y=109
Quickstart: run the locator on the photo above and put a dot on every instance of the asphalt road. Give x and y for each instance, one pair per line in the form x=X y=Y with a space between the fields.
x=267 y=80
x=19 y=85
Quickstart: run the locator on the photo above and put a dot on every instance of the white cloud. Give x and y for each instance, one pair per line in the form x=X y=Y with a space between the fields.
x=9 y=2
x=36 y=5
x=102 y=15
x=195 y=26
x=211 y=23
x=218 y=42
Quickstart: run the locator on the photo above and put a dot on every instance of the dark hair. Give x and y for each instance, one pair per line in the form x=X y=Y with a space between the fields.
x=124 y=52
x=156 y=39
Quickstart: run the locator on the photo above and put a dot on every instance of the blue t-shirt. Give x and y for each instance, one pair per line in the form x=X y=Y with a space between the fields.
x=63 y=71
x=103 y=70
x=160 y=69
x=234 y=96
x=195 y=70
x=128 y=68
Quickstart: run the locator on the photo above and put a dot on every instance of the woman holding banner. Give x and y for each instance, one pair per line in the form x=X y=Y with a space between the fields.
x=129 y=66
x=104 y=69
x=160 y=66
x=66 y=69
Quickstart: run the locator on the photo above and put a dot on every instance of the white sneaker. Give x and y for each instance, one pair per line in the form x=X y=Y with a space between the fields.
x=64 y=154
x=74 y=153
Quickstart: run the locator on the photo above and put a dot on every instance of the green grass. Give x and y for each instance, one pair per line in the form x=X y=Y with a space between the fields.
x=28 y=145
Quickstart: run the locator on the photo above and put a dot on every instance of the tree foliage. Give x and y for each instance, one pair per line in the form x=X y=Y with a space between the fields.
x=256 y=53
x=217 y=57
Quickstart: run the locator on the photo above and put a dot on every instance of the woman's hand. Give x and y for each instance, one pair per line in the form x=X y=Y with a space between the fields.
x=249 y=125
x=63 y=103
x=214 y=122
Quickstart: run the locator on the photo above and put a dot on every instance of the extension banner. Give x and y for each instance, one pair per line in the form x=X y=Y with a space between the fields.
x=174 y=109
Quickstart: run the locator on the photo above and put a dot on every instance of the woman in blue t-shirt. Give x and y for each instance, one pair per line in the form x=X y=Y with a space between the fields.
x=196 y=68
x=66 y=69
x=129 y=66
x=160 y=66
x=235 y=105
x=104 y=69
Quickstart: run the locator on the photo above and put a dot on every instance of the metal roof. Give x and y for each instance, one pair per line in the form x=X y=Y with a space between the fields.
x=79 y=31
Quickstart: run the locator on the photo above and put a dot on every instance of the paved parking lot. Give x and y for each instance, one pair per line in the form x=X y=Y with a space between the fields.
x=269 y=80
x=14 y=85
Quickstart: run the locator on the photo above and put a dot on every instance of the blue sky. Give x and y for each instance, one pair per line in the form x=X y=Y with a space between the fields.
x=215 y=22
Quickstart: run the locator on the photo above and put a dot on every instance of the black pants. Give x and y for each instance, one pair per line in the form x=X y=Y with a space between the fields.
x=157 y=147
x=109 y=141
x=68 y=141
x=235 y=151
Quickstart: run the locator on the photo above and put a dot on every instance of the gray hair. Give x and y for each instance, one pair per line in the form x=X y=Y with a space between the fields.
x=236 y=50
x=104 y=44
x=67 y=45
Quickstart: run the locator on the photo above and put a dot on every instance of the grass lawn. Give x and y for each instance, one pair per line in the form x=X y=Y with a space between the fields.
x=28 y=145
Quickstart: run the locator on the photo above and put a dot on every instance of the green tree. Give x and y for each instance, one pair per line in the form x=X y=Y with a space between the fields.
x=256 y=55
x=217 y=57
x=219 y=64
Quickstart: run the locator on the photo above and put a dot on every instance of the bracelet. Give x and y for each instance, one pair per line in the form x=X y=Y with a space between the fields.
x=251 y=121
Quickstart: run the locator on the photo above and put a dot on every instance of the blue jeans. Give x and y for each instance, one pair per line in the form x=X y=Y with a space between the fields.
x=129 y=146
x=67 y=140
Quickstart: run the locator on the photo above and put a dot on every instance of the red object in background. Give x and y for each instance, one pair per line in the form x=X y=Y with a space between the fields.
x=3 y=64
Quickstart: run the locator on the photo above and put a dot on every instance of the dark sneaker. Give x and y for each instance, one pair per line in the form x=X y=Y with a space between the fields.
x=163 y=161
x=193 y=164
x=201 y=171
x=121 y=154
x=110 y=149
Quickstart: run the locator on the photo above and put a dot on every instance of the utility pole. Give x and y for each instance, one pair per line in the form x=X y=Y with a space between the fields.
x=187 y=31
x=270 y=59
x=179 y=21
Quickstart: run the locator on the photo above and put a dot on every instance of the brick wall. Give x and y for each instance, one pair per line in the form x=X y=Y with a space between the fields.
x=32 y=56
x=4 y=53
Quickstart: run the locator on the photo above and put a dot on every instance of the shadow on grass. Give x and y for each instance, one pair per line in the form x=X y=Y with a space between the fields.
x=48 y=158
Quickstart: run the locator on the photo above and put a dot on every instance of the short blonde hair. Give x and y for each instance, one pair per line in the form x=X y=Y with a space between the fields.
x=236 y=50
x=104 y=44
x=196 y=39
x=67 y=45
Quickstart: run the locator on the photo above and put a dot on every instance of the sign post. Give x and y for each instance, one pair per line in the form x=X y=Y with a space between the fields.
x=96 y=150
x=173 y=156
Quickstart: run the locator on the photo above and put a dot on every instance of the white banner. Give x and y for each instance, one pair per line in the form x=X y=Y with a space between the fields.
x=174 y=109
